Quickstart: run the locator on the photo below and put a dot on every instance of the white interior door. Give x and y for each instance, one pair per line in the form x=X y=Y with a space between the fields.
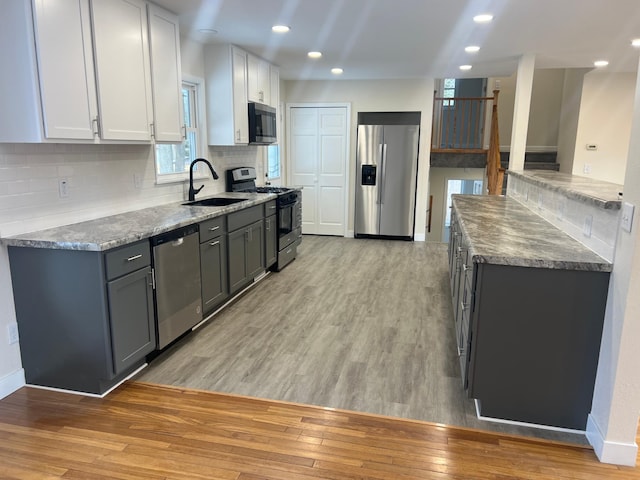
x=318 y=158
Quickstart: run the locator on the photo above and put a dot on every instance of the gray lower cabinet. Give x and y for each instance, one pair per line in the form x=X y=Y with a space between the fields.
x=213 y=263
x=246 y=255
x=245 y=246
x=534 y=342
x=85 y=318
x=130 y=302
x=528 y=338
x=271 y=240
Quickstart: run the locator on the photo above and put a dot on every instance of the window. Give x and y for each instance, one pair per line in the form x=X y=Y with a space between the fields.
x=173 y=160
x=273 y=162
x=449 y=91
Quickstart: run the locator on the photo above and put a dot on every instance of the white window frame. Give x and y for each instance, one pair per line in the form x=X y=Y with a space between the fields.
x=197 y=84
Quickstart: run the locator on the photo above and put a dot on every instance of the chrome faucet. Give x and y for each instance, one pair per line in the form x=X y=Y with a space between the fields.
x=193 y=191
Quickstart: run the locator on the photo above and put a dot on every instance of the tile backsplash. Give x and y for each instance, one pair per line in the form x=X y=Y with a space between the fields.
x=100 y=180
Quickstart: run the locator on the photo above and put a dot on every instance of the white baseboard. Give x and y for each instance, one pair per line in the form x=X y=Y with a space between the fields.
x=419 y=237
x=11 y=383
x=610 y=452
x=349 y=234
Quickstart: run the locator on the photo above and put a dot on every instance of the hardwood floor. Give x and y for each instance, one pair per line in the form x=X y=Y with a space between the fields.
x=362 y=325
x=153 y=432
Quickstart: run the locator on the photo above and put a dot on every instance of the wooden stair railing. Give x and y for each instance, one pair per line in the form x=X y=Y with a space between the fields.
x=458 y=127
x=495 y=172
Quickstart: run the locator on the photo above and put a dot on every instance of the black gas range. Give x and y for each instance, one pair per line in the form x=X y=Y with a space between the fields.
x=288 y=211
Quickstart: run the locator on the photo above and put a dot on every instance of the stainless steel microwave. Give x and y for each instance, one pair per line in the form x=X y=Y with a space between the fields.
x=262 y=124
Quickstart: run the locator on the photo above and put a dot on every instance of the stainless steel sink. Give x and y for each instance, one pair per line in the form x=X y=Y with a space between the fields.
x=214 y=202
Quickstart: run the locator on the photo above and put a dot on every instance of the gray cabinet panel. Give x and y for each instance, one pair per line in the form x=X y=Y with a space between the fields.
x=127 y=259
x=271 y=240
x=237 y=260
x=535 y=341
x=213 y=268
x=255 y=249
x=130 y=304
x=212 y=228
x=246 y=255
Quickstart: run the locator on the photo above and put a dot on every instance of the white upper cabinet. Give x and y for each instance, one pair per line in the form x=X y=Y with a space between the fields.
x=81 y=72
x=226 y=92
x=65 y=65
x=166 y=76
x=122 y=68
x=274 y=82
x=259 y=80
x=233 y=79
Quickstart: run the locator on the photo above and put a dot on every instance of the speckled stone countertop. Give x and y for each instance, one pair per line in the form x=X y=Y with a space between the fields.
x=589 y=190
x=501 y=231
x=116 y=230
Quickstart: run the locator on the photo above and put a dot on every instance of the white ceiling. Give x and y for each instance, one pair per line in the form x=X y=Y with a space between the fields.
x=374 y=39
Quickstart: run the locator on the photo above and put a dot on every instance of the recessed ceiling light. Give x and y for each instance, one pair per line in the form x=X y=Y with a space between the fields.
x=465 y=67
x=600 y=63
x=280 y=28
x=472 y=49
x=484 y=18
x=314 y=54
x=208 y=31
x=337 y=71
x=635 y=42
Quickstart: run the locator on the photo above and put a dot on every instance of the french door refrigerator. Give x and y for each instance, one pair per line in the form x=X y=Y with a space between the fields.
x=387 y=163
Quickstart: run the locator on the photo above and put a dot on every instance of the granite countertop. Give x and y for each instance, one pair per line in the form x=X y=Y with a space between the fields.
x=499 y=230
x=116 y=230
x=596 y=192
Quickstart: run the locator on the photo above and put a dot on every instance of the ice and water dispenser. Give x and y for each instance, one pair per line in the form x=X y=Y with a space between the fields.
x=368 y=175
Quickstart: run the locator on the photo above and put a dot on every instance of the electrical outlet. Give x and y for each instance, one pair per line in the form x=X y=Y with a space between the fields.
x=588 y=223
x=12 y=329
x=63 y=187
x=626 y=217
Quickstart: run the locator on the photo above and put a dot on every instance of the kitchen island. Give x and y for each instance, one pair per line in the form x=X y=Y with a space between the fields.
x=529 y=306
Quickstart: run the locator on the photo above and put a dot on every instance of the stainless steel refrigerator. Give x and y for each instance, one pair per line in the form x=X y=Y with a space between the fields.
x=387 y=164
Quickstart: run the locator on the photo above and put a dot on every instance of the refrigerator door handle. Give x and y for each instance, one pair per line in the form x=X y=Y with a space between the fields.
x=383 y=179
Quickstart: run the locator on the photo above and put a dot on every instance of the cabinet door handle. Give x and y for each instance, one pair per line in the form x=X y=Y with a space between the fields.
x=152 y=130
x=96 y=126
x=184 y=132
x=135 y=257
x=268 y=224
x=464 y=306
x=213 y=229
x=213 y=244
x=272 y=207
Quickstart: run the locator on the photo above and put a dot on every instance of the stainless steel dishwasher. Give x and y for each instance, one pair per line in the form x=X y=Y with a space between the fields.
x=178 y=297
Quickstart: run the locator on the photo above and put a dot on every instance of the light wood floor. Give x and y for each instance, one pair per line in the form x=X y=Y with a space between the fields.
x=153 y=432
x=362 y=325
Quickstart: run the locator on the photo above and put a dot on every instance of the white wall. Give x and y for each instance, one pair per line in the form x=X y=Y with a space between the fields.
x=613 y=421
x=569 y=117
x=376 y=96
x=544 y=113
x=605 y=120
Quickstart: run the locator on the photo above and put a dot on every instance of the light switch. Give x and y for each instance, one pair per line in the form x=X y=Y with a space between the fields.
x=627 y=216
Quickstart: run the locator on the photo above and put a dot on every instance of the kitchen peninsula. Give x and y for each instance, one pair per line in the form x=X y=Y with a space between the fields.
x=528 y=304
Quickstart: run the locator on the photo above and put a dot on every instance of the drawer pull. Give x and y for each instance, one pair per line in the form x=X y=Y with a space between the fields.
x=272 y=207
x=288 y=251
x=213 y=244
x=135 y=257
x=213 y=229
